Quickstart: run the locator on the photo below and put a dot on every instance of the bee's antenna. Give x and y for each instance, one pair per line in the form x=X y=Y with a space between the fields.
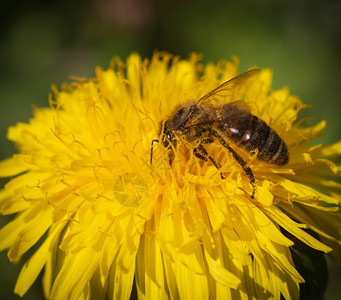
x=151 y=151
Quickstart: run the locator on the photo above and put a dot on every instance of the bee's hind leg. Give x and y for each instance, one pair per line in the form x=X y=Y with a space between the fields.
x=201 y=153
x=240 y=161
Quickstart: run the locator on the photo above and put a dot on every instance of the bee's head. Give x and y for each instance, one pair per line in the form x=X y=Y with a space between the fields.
x=167 y=135
x=182 y=115
x=176 y=123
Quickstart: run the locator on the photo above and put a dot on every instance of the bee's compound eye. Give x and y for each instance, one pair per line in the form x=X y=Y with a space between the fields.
x=179 y=113
x=192 y=108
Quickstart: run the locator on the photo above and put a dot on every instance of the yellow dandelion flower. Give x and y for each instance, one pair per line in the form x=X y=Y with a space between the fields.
x=109 y=222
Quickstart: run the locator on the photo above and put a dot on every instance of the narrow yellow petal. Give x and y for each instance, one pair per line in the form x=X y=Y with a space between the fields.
x=34 y=265
x=97 y=286
x=122 y=271
x=320 y=223
x=150 y=272
x=13 y=204
x=10 y=167
x=169 y=267
x=190 y=285
x=282 y=257
x=120 y=282
x=32 y=229
x=216 y=216
x=75 y=274
x=321 y=183
x=9 y=233
x=265 y=286
x=263 y=225
x=86 y=294
x=247 y=236
x=327 y=151
x=216 y=267
x=55 y=258
x=288 y=224
x=304 y=194
x=264 y=193
x=134 y=73
x=285 y=282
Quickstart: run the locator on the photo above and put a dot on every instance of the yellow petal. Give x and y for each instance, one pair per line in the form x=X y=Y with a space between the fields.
x=33 y=227
x=55 y=258
x=190 y=285
x=216 y=216
x=263 y=225
x=98 y=286
x=9 y=233
x=288 y=224
x=265 y=283
x=10 y=167
x=122 y=270
x=305 y=194
x=264 y=193
x=281 y=257
x=150 y=271
x=216 y=268
x=34 y=265
x=75 y=275
x=13 y=204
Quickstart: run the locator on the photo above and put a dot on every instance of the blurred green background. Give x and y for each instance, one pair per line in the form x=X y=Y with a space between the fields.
x=44 y=42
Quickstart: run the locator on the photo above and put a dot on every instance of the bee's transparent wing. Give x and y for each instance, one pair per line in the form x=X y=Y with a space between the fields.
x=218 y=113
x=226 y=89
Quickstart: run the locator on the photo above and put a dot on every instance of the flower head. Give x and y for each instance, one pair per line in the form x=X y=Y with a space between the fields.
x=83 y=185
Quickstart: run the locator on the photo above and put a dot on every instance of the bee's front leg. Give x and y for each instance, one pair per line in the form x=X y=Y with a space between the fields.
x=201 y=153
x=171 y=156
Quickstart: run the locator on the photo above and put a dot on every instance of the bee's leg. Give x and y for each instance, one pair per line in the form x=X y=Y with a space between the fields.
x=171 y=145
x=239 y=160
x=151 y=151
x=171 y=156
x=201 y=153
x=207 y=141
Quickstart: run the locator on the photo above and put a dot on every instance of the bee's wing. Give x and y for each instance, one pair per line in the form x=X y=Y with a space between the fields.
x=219 y=113
x=225 y=89
x=219 y=94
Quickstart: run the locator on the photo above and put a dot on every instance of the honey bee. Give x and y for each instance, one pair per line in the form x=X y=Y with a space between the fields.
x=201 y=122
